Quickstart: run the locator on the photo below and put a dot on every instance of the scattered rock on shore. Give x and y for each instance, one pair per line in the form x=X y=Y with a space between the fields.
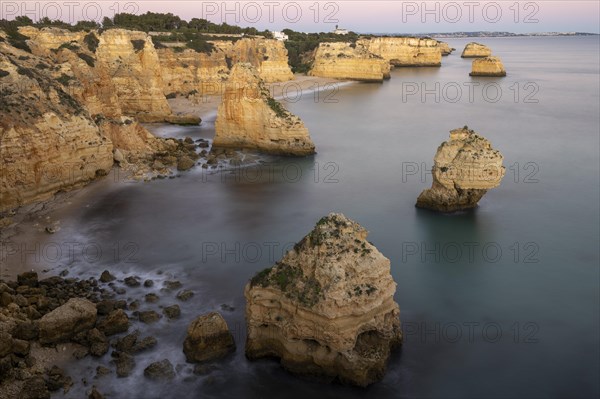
x=208 y=338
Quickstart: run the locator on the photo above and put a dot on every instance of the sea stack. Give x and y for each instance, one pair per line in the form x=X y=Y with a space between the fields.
x=464 y=168
x=476 y=50
x=488 y=66
x=347 y=61
x=248 y=117
x=327 y=308
x=445 y=48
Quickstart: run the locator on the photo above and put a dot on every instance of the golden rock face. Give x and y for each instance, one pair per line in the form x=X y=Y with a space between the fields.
x=488 y=66
x=405 y=51
x=327 y=308
x=475 y=50
x=249 y=118
x=347 y=61
x=465 y=167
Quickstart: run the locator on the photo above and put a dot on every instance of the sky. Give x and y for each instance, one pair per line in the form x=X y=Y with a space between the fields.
x=391 y=16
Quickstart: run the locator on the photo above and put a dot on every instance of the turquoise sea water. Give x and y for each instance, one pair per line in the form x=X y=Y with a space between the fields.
x=499 y=302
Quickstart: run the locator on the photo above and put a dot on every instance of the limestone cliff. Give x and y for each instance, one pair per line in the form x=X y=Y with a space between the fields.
x=249 y=118
x=73 y=55
x=404 y=51
x=48 y=140
x=327 y=308
x=134 y=67
x=348 y=61
x=189 y=71
x=464 y=168
x=475 y=50
x=488 y=66
x=268 y=56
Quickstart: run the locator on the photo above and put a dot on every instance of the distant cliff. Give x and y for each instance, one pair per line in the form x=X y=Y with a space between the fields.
x=404 y=51
x=348 y=61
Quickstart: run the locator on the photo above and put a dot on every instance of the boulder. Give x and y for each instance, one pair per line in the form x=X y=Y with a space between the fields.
x=116 y=322
x=208 y=338
x=160 y=371
x=64 y=322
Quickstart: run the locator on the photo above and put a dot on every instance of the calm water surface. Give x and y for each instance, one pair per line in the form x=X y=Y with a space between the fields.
x=499 y=302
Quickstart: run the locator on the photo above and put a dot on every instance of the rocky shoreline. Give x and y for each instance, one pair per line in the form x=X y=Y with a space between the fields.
x=50 y=322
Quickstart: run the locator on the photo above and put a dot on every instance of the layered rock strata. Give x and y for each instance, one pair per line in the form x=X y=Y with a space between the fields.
x=348 y=61
x=327 y=308
x=465 y=168
x=249 y=118
x=488 y=66
x=476 y=50
x=404 y=51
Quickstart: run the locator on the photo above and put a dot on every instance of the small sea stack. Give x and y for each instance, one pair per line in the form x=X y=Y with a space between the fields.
x=476 y=50
x=327 y=308
x=488 y=66
x=464 y=169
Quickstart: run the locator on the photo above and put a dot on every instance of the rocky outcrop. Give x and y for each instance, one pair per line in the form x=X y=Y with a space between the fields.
x=48 y=140
x=488 y=66
x=134 y=67
x=208 y=338
x=464 y=168
x=189 y=72
x=348 y=61
x=445 y=48
x=327 y=308
x=476 y=50
x=249 y=118
x=64 y=322
x=404 y=51
x=268 y=56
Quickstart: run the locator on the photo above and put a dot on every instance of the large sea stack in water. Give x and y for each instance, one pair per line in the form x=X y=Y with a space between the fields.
x=249 y=117
x=327 y=308
x=464 y=168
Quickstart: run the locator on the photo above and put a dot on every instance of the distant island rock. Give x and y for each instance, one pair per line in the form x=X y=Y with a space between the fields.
x=488 y=66
x=327 y=308
x=340 y=60
x=465 y=168
x=475 y=50
x=248 y=117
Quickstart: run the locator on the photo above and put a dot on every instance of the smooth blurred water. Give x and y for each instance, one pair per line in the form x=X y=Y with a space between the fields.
x=499 y=302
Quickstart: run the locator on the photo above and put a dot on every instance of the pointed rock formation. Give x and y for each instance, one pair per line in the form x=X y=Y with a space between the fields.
x=476 y=50
x=249 y=117
x=488 y=66
x=327 y=308
x=445 y=48
x=347 y=61
x=464 y=168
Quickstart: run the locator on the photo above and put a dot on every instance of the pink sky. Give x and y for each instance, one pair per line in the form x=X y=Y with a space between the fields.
x=361 y=16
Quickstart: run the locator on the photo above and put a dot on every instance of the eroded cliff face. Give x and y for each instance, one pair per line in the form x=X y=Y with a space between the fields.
x=445 y=48
x=48 y=140
x=349 y=61
x=488 y=66
x=464 y=168
x=189 y=72
x=76 y=67
x=475 y=50
x=404 y=51
x=134 y=67
x=327 y=308
x=249 y=118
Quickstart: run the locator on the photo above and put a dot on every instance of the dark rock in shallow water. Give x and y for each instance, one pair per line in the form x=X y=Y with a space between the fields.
x=148 y=283
x=58 y=380
x=208 y=338
x=132 y=281
x=106 y=277
x=125 y=363
x=172 y=312
x=160 y=371
x=98 y=342
x=28 y=278
x=185 y=295
x=116 y=322
x=172 y=285
x=95 y=394
x=101 y=371
x=148 y=316
x=151 y=298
